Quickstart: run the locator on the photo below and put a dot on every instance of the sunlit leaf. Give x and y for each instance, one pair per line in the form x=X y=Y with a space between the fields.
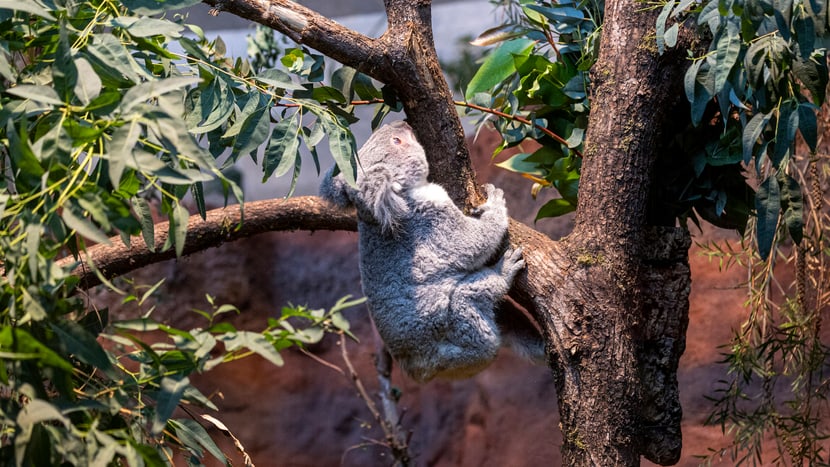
x=26 y=6
x=499 y=65
x=554 y=208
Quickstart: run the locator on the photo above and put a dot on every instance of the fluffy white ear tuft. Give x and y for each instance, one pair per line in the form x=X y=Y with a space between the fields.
x=389 y=208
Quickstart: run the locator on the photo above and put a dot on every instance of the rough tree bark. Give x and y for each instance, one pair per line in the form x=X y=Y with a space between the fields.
x=612 y=298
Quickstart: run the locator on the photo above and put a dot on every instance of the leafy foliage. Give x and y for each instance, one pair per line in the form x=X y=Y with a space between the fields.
x=109 y=116
x=760 y=84
x=761 y=81
x=539 y=72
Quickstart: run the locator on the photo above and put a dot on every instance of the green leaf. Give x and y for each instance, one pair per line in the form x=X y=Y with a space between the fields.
x=26 y=6
x=38 y=411
x=79 y=342
x=792 y=204
x=17 y=344
x=26 y=167
x=752 y=132
x=808 y=125
x=193 y=435
x=812 y=71
x=767 y=207
x=112 y=59
x=498 y=66
x=661 y=26
x=152 y=89
x=147 y=27
x=342 y=80
x=84 y=227
x=519 y=163
x=145 y=217
x=698 y=83
x=37 y=93
x=728 y=49
x=64 y=72
x=169 y=395
x=253 y=133
x=88 y=87
x=785 y=131
x=254 y=342
x=554 y=208
x=138 y=324
x=278 y=79
x=179 y=219
x=153 y=7
x=342 y=145
x=282 y=148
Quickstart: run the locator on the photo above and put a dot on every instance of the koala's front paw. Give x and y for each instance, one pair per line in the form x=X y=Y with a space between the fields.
x=495 y=197
x=511 y=264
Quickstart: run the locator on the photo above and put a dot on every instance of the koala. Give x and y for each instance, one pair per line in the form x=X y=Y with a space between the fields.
x=432 y=276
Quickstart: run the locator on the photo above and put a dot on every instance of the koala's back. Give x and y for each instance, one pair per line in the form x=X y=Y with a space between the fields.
x=410 y=279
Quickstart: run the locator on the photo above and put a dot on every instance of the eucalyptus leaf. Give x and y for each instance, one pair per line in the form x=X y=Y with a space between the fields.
x=499 y=65
x=792 y=205
x=767 y=208
x=37 y=93
x=253 y=133
x=88 y=87
x=79 y=342
x=84 y=227
x=26 y=6
x=153 y=89
x=169 y=395
x=808 y=124
x=555 y=208
x=282 y=148
x=179 y=220
x=752 y=131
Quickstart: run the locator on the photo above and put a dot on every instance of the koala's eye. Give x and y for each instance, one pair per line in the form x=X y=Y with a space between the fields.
x=396 y=141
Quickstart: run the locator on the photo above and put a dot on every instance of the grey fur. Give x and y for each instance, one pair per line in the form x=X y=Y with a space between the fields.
x=426 y=268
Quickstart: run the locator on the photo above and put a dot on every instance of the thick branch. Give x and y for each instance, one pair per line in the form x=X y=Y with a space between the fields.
x=305 y=26
x=221 y=226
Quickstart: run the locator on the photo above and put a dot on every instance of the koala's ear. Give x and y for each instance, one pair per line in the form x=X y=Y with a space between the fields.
x=334 y=189
x=389 y=207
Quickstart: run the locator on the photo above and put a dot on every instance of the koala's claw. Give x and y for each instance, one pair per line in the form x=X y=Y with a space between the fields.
x=495 y=196
x=512 y=262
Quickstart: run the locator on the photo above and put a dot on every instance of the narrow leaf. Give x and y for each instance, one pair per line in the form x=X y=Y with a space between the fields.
x=752 y=131
x=554 y=208
x=37 y=93
x=180 y=218
x=153 y=89
x=282 y=148
x=808 y=125
x=79 y=342
x=767 y=207
x=145 y=218
x=253 y=133
x=26 y=6
x=170 y=393
x=792 y=203
x=498 y=66
x=84 y=227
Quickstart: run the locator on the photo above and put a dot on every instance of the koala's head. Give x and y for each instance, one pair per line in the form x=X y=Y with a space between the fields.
x=395 y=145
